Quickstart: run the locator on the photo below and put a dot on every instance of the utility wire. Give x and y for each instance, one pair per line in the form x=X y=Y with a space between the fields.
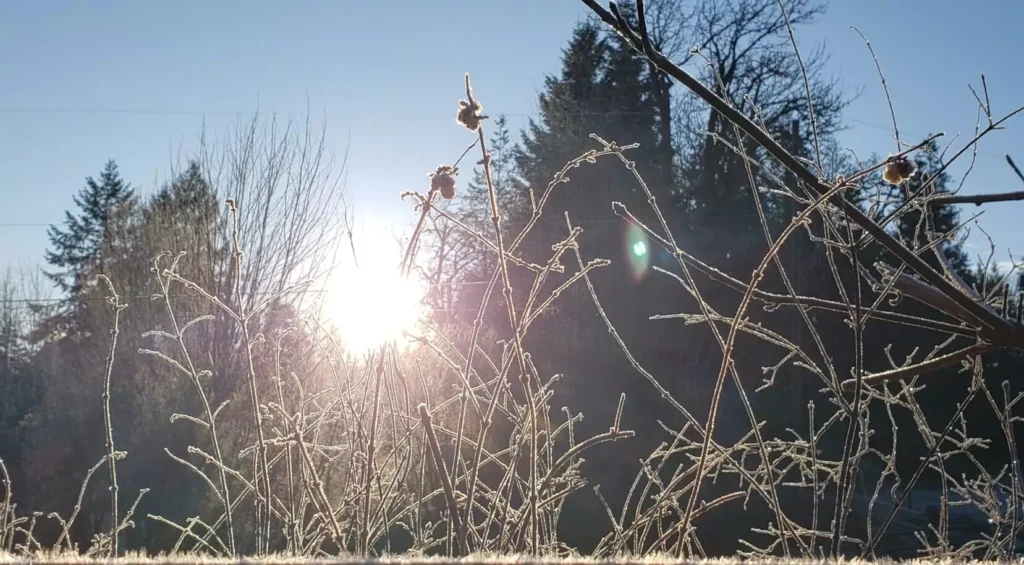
x=172 y=112
x=44 y=300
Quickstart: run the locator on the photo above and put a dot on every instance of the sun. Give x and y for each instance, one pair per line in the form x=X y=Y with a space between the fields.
x=370 y=303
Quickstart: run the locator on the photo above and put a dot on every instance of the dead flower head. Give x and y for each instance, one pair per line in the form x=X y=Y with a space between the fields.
x=898 y=170
x=443 y=180
x=469 y=114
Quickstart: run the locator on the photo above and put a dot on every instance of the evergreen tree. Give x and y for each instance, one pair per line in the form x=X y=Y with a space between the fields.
x=184 y=215
x=474 y=207
x=17 y=385
x=458 y=261
x=601 y=90
x=65 y=431
x=13 y=350
x=570 y=109
x=78 y=250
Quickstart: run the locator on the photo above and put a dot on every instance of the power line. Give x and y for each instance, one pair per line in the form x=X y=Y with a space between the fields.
x=28 y=302
x=539 y=222
x=252 y=112
x=889 y=128
x=174 y=112
x=276 y=113
x=139 y=111
x=294 y=292
x=45 y=300
x=542 y=221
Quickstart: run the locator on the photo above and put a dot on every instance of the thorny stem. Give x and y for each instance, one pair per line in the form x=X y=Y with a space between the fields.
x=839 y=516
x=66 y=532
x=442 y=471
x=730 y=345
x=294 y=534
x=772 y=299
x=316 y=485
x=371 y=454
x=976 y=199
x=885 y=87
x=534 y=495
x=186 y=532
x=810 y=179
x=260 y=457
x=925 y=367
x=1011 y=445
x=807 y=86
x=869 y=547
x=211 y=420
x=426 y=203
x=492 y=404
x=459 y=434
x=7 y=510
x=812 y=438
x=115 y=303
x=506 y=284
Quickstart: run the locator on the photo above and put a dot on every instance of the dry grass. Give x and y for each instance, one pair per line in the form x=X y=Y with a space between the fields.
x=481 y=559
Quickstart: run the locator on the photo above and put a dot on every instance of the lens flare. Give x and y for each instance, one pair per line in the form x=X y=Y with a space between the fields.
x=637 y=252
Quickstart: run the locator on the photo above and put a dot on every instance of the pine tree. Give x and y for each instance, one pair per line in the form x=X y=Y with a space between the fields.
x=601 y=90
x=13 y=351
x=14 y=358
x=19 y=394
x=470 y=260
x=181 y=216
x=570 y=109
x=184 y=215
x=474 y=207
x=79 y=250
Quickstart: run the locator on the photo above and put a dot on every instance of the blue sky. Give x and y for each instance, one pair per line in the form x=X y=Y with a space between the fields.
x=84 y=82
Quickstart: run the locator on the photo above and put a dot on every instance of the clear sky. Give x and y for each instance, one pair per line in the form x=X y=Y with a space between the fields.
x=83 y=82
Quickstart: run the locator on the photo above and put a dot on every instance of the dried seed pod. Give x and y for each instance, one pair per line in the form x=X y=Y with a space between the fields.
x=469 y=114
x=443 y=180
x=898 y=170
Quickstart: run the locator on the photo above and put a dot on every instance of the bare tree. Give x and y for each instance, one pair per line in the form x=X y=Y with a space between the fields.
x=289 y=191
x=741 y=49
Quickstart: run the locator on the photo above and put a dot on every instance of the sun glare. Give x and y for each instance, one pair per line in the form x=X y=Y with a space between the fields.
x=372 y=304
